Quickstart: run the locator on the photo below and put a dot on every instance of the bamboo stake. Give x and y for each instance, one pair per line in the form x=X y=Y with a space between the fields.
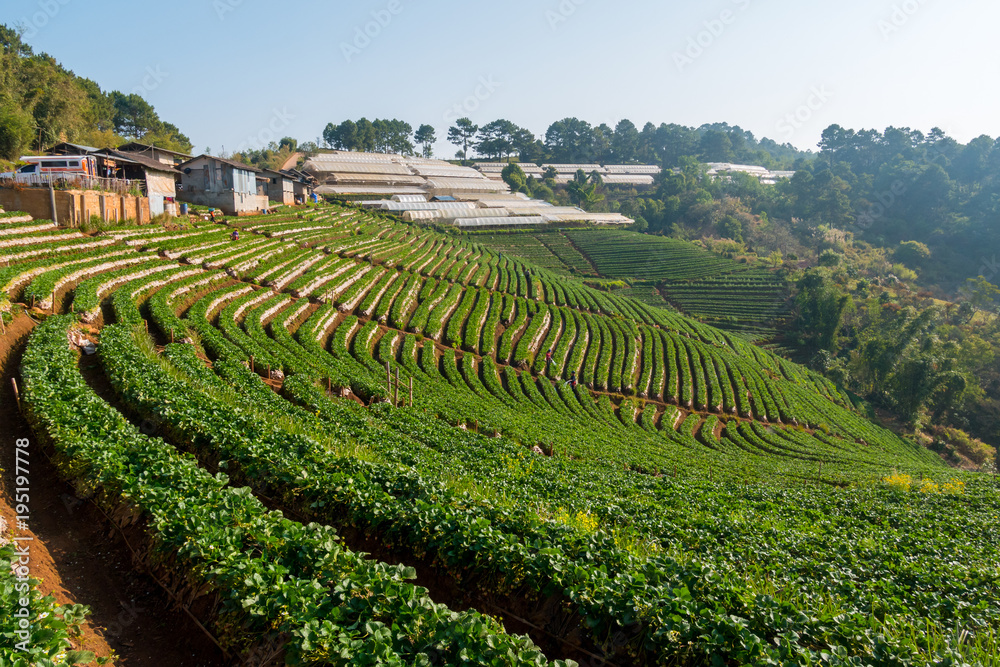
x=388 y=380
x=411 y=391
x=396 y=400
x=17 y=394
x=251 y=364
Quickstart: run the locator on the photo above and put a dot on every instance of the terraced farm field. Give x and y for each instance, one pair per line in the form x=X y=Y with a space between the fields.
x=550 y=250
x=690 y=499
x=622 y=254
x=647 y=295
x=756 y=301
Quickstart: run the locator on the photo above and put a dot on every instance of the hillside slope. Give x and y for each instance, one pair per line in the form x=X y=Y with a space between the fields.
x=693 y=497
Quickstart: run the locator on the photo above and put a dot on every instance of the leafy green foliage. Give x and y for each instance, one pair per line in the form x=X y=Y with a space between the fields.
x=41 y=103
x=730 y=507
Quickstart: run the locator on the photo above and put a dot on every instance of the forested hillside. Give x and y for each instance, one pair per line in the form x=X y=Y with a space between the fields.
x=43 y=103
x=890 y=238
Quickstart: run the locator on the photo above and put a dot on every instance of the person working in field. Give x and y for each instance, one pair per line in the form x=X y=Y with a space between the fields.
x=548 y=360
x=235 y=236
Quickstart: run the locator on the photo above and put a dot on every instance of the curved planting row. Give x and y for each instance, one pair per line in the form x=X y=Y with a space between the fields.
x=662 y=536
x=274 y=585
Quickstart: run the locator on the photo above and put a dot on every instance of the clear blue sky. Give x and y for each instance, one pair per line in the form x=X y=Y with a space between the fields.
x=228 y=72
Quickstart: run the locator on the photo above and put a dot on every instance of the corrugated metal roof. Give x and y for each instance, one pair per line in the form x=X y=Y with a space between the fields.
x=72 y=149
x=231 y=163
x=139 y=158
x=136 y=147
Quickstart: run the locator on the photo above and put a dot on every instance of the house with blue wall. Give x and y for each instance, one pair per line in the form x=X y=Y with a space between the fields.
x=224 y=184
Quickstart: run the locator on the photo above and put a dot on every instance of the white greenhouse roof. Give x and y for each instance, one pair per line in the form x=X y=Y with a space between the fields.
x=361 y=189
x=498 y=196
x=499 y=222
x=422 y=206
x=632 y=168
x=476 y=213
x=633 y=179
x=327 y=166
x=543 y=209
x=454 y=214
x=572 y=168
x=409 y=216
x=340 y=179
x=447 y=171
x=349 y=156
x=512 y=203
x=459 y=184
x=596 y=218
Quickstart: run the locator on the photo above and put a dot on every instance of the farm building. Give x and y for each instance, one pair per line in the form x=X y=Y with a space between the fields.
x=434 y=190
x=487 y=213
x=277 y=186
x=302 y=184
x=66 y=148
x=763 y=174
x=223 y=184
x=159 y=180
x=168 y=157
x=349 y=173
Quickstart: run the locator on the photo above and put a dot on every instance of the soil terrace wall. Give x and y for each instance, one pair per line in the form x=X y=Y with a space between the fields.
x=75 y=206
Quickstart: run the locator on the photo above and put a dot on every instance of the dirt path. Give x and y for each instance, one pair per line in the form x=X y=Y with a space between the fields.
x=78 y=562
x=292 y=160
